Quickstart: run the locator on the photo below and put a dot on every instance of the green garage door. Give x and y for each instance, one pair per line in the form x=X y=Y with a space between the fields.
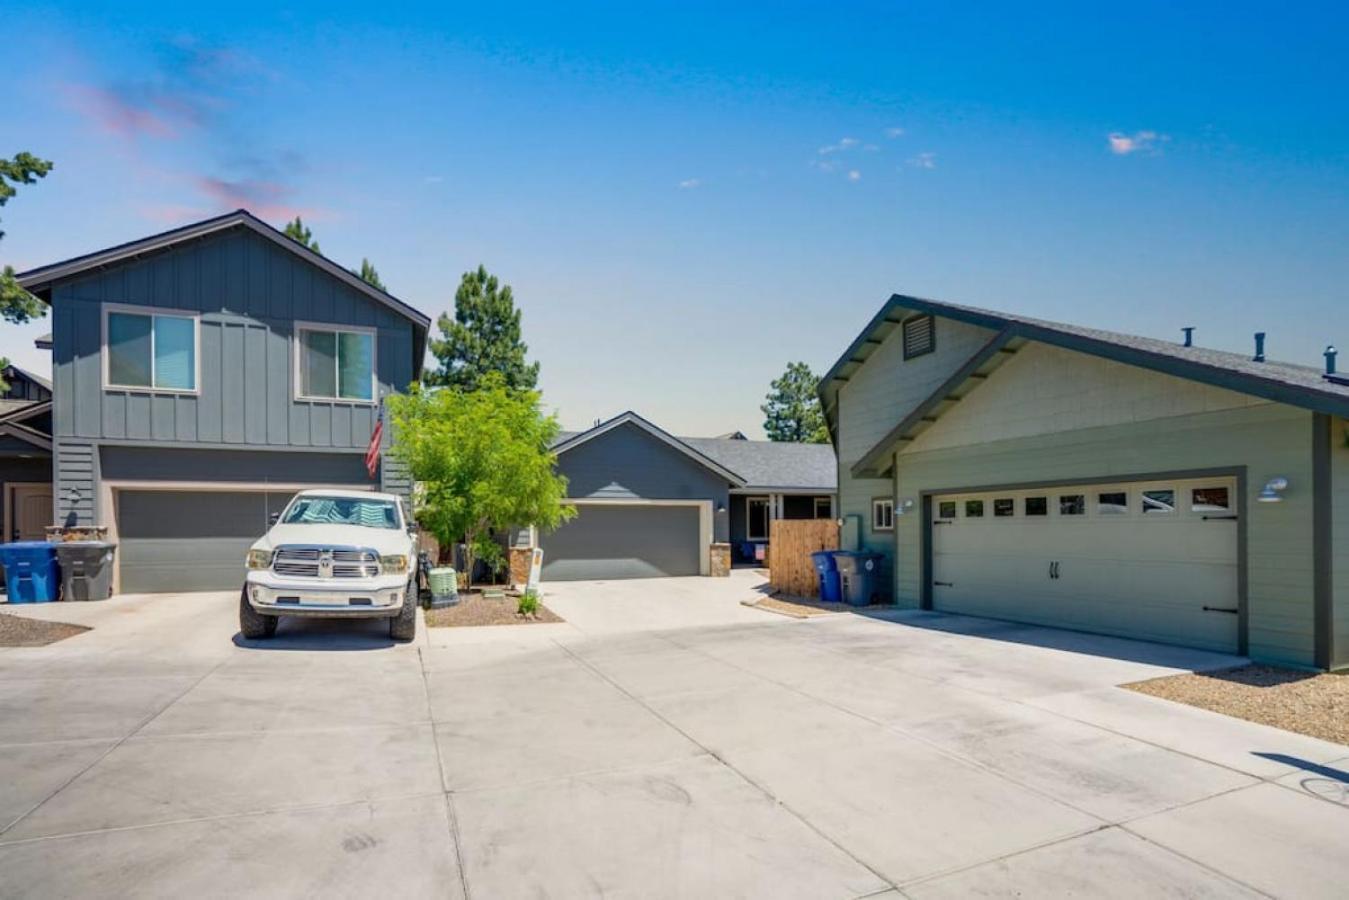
x=174 y=541
x=1155 y=561
x=621 y=541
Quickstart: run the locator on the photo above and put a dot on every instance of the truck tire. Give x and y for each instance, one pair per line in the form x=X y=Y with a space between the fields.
x=253 y=624
x=403 y=627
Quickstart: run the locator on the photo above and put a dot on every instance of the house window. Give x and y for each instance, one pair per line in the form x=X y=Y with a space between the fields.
x=337 y=364
x=148 y=350
x=919 y=336
x=756 y=518
x=883 y=515
x=824 y=508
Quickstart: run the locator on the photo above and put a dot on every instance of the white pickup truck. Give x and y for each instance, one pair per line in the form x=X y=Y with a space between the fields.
x=333 y=553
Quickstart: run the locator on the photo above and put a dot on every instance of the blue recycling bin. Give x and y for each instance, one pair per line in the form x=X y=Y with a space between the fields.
x=830 y=589
x=31 y=574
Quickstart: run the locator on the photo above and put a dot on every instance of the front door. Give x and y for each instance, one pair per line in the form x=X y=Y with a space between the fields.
x=32 y=511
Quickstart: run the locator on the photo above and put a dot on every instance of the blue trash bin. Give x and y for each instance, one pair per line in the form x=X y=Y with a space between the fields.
x=31 y=574
x=830 y=590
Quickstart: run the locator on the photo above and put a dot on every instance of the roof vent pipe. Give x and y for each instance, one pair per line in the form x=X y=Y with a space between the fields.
x=1330 y=354
x=1189 y=335
x=1259 y=346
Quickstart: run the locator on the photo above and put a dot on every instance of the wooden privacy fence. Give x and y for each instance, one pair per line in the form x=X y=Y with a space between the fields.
x=790 y=543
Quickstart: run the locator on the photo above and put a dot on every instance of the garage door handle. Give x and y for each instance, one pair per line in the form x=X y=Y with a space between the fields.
x=1221 y=609
x=1220 y=518
x=943 y=584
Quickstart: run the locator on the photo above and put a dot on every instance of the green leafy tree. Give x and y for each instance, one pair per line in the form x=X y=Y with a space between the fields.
x=16 y=304
x=368 y=274
x=483 y=337
x=792 y=411
x=299 y=232
x=481 y=461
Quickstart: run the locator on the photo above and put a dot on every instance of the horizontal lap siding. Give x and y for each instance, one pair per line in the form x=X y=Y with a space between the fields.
x=1268 y=439
x=878 y=396
x=1339 y=532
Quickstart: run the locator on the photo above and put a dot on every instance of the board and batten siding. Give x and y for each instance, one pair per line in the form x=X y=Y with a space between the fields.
x=250 y=295
x=1339 y=536
x=876 y=398
x=1151 y=427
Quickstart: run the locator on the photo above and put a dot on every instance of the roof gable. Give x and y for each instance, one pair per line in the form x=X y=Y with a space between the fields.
x=40 y=281
x=572 y=441
x=1301 y=386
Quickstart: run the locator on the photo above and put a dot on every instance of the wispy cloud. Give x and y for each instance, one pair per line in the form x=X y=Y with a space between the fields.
x=690 y=183
x=854 y=175
x=1148 y=142
x=846 y=143
x=433 y=179
x=893 y=133
x=113 y=113
x=924 y=160
x=265 y=199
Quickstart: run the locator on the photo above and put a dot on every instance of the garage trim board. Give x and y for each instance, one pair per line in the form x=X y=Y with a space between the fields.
x=1214 y=530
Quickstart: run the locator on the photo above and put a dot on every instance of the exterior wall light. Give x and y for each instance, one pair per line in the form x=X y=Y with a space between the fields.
x=1273 y=490
x=721 y=507
x=905 y=506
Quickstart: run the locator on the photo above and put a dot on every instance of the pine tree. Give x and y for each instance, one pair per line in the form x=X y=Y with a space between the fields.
x=793 y=412
x=483 y=337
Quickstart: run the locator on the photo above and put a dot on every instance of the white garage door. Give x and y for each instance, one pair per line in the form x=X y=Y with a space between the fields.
x=1155 y=561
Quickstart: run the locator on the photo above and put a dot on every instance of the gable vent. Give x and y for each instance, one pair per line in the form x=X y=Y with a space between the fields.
x=919 y=336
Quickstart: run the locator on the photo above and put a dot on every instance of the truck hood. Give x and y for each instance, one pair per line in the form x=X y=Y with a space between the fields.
x=382 y=540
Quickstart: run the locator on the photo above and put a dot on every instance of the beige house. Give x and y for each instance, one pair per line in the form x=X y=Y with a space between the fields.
x=1056 y=475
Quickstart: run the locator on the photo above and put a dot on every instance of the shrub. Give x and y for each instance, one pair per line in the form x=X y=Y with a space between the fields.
x=529 y=603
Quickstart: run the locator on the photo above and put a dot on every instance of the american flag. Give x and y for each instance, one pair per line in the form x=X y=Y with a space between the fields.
x=372 y=451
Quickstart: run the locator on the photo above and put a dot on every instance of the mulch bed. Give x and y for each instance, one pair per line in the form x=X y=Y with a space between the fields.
x=1310 y=703
x=20 y=631
x=798 y=607
x=474 y=609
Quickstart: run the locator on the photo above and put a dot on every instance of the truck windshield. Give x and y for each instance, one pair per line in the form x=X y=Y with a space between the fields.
x=342 y=511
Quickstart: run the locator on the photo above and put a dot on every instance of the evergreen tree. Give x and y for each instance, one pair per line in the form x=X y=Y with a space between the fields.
x=793 y=412
x=297 y=231
x=483 y=337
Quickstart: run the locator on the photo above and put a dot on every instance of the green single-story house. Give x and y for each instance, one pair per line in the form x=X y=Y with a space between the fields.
x=1057 y=475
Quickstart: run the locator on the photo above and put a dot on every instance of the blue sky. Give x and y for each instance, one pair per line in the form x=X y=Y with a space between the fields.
x=686 y=198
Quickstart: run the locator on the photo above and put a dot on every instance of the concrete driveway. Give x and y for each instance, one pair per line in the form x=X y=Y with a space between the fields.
x=840 y=757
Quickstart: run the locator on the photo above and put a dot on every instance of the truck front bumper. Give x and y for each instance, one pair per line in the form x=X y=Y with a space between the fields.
x=358 y=598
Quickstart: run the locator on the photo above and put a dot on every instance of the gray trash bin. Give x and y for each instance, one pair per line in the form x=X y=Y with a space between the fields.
x=857 y=573
x=86 y=569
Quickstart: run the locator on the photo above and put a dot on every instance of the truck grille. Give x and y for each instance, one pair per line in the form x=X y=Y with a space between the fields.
x=326 y=562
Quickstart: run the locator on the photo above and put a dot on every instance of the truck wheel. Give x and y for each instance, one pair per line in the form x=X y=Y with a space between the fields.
x=403 y=627
x=253 y=624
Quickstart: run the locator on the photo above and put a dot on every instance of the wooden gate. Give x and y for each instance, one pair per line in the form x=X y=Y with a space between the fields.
x=790 y=543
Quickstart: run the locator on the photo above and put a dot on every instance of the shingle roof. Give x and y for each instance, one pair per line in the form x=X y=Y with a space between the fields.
x=774 y=464
x=1296 y=385
x=762 y=464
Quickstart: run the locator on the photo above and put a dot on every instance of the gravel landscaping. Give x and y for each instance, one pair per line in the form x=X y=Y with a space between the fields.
x=1308 y=703
x=474 y=609
x=18 y=631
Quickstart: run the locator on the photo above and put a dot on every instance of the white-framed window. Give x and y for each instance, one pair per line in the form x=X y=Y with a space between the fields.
x=757 y=515
x=882 y=514
x=824 y=507
x=335 y=363
x=148 y=349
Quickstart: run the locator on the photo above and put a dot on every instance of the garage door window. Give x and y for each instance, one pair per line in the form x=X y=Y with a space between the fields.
x=1158 y=502
x=149 y=351
x=1209 y=500
x=974 y=509
x=1004 y=507
x=946 y=509
x=1037 y=506
x=337 y=365
x=1072 y=505
x=1112 y=503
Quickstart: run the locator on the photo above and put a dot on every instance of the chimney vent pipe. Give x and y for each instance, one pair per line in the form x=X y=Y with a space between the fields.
x=1259 y=346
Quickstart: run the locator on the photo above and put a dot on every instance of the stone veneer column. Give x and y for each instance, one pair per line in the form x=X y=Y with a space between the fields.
x=721 y=561
x=520 y=558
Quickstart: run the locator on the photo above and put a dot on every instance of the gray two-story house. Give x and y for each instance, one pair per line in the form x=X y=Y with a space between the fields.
x=202 y=376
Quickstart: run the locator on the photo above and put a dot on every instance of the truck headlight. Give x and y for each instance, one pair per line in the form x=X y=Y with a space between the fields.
x=394 y=564
x=259 y=559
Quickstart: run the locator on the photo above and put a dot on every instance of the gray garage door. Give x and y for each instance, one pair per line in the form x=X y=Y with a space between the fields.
x=609 y=542
x=189 y=540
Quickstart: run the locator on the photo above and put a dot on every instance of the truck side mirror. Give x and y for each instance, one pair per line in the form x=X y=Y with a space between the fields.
x=273 y=518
